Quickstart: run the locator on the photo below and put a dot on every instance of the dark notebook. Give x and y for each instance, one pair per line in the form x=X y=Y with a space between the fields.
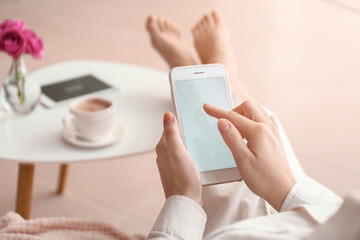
x=73 y=88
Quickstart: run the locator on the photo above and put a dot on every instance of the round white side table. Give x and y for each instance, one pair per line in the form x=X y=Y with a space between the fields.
x=36 y=137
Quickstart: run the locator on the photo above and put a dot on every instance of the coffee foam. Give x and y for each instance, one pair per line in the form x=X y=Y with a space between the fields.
x=92 y=105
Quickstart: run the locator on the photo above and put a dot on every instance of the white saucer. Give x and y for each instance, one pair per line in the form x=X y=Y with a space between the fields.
x=110 y=139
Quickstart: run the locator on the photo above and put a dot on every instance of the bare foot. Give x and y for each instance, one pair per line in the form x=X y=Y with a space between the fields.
x=168 y=40
x=212 y=42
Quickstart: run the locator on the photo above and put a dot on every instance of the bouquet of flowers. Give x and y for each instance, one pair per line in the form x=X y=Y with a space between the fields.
x=15 y=40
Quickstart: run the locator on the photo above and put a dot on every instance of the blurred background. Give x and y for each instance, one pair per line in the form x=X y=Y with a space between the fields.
x=300 y=58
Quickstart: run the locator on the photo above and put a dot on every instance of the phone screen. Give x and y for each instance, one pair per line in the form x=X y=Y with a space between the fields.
x=202 y=138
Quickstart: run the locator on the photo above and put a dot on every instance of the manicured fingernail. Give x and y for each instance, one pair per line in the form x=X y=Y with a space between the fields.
x=168 y=118
x=223 y=125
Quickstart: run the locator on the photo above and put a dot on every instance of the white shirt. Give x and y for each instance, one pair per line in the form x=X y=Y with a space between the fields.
x=307 y=205
x=232 y=211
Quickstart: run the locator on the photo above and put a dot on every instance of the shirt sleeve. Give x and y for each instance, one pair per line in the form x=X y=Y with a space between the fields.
x=180 y=218
x=313 y=198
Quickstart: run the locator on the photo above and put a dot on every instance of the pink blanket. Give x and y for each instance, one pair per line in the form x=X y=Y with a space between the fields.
x=13 y=226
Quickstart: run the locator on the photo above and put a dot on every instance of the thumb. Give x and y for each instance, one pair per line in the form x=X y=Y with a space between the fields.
x=234 y=141
x=171 y=131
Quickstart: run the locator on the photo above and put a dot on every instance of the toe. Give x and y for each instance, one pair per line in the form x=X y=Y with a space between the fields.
x=173 y=27
x=162 y=24
x=167 y=24
x=204 y=24
x=211 y=19
x=207 y=18
x=194 y=31
x=149 y=22
x=195 y=26
x=152 y=23
x=204 y=20
x=215 y=16
x=218 y=19
x=200 y=26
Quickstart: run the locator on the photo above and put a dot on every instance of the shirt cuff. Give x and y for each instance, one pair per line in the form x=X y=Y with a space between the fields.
x=291 y=199
x=313 y=198
x=181 y=217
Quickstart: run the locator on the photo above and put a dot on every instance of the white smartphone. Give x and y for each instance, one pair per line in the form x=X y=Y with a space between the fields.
x=191 y=87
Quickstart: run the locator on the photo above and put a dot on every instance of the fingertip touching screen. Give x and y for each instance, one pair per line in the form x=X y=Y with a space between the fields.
x=202 y=138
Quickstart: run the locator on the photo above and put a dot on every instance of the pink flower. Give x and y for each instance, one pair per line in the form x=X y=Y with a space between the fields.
x=15 y=39
x=34 y=44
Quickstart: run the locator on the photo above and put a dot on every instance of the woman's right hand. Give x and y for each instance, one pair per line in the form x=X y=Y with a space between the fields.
x=262 y=161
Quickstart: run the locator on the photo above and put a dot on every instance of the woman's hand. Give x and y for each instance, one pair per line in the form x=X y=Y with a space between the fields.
x=262 y=161
x=178 y=172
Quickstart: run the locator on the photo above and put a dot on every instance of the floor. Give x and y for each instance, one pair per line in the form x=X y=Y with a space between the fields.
x=299 y=58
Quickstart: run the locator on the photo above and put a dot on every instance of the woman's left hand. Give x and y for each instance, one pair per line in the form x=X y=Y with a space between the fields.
x=179 y=173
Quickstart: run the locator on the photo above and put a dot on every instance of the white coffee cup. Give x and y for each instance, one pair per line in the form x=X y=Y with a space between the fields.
x=90 y=118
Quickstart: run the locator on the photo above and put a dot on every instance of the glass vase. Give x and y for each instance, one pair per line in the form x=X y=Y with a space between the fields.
x=19 y=94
